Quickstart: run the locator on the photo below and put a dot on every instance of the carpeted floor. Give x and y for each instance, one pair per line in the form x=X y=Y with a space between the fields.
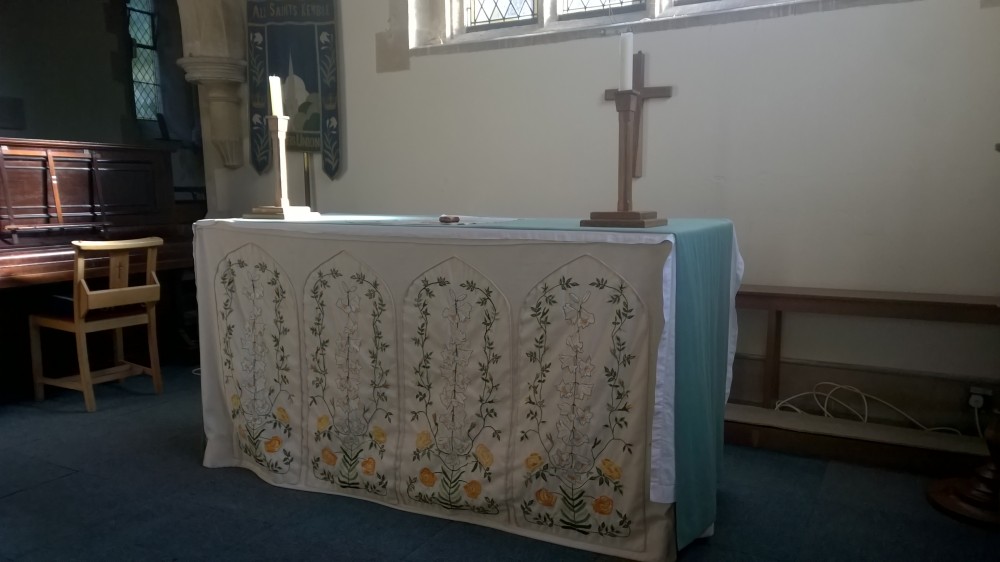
x=126 y=483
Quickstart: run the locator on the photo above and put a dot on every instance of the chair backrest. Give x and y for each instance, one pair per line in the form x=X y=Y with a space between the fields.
x=118 y=293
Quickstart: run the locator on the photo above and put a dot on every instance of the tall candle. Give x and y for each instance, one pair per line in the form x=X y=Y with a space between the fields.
x=275 y=83
x=625 y=72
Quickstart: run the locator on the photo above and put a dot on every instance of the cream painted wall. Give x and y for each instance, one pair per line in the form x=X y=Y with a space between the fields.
x=851 y=148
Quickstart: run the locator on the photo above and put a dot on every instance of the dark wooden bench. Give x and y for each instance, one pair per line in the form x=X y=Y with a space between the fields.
x=881 y=304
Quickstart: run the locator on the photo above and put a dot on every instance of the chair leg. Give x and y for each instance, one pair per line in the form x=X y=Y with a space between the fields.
x=86 y=383
x=36 y=358
x=119 y=347
x=154 y=352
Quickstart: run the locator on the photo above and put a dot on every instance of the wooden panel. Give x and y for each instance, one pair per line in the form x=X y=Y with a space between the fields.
x=107 y=298
x=895 y=457
x=882 y=304
x=136 y=183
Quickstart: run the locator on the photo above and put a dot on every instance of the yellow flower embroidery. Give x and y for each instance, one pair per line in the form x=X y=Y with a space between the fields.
x=603 y=505
x=281 y=414
x=610 y=469
x=378 y=435
x=545 y=497
x=424 y=440
x=329 y=457
x=322 y=423
x=273 y=444
x=484 y=456
x=473 y=489
x=427 y=477
x=533 y=461
x=368 y=466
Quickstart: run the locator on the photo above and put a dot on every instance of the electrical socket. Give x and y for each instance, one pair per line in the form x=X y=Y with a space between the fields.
x=978 y=395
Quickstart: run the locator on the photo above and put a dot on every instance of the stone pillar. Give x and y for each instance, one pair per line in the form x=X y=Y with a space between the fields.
x=220 y=80
x=430 y=25
x=215 y=47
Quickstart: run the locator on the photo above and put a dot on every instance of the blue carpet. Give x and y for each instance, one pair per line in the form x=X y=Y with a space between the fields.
x=126 y=483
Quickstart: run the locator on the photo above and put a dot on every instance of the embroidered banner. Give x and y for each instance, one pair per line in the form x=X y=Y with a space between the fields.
x=296 y=41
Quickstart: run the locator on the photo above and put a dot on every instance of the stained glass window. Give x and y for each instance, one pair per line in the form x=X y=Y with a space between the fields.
x=485 y=14
x=145 y=63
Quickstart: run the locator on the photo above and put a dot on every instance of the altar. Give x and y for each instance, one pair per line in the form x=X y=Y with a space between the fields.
x=530 y=375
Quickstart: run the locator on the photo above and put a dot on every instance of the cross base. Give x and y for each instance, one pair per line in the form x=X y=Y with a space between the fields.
x=274 y=212
x=623 y=219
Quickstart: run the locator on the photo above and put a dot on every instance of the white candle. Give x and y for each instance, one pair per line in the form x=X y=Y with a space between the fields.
x=625 y=72
x=275 y=83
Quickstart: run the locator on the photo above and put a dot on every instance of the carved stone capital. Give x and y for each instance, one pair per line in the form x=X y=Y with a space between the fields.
x=214 y=69
x=219 y=80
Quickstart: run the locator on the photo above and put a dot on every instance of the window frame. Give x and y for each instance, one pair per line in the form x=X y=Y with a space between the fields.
x=598 y=12
x=438 y=26
x=152 y=49
x=475 y=28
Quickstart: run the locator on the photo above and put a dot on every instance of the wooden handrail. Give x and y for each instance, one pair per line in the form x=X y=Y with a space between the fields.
x=881 y=304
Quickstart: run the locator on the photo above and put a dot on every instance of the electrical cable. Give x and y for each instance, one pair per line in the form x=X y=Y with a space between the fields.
x=827 y=397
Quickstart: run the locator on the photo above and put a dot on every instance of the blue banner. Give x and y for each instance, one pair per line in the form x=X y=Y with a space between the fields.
x=295 y=40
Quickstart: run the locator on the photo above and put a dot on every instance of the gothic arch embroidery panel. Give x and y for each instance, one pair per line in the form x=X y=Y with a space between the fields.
x=260 y=361
x=584 y=345
x=456 y=372
x=352 y=390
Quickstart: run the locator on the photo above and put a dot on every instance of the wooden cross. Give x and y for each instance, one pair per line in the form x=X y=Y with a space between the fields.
x=629 y=104
x=645 y=93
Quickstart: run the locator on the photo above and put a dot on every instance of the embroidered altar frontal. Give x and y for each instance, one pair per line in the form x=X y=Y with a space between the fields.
x=500 y=380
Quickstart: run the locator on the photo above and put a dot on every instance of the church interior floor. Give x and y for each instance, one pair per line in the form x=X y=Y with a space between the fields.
x=126 y=483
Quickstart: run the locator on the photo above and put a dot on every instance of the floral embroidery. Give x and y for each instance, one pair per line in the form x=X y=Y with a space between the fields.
x=273 y=444
x=533 y=461
x=603 y=505
x=328 y=456
x=281 y=415
x=427 y=477
x=570 y=457
x=612 y=470
x=473 y=489
x=424 y=440
x=446 y=380
x=257 y=367
x=545 y=497
x=484 y=456
x=352 y=388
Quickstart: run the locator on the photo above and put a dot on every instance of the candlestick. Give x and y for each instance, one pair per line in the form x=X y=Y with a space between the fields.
x=277 y=125
x=625 y=70
x=276 y=108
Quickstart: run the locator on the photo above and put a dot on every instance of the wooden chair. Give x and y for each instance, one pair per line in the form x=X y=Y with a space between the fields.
x=119 y=306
